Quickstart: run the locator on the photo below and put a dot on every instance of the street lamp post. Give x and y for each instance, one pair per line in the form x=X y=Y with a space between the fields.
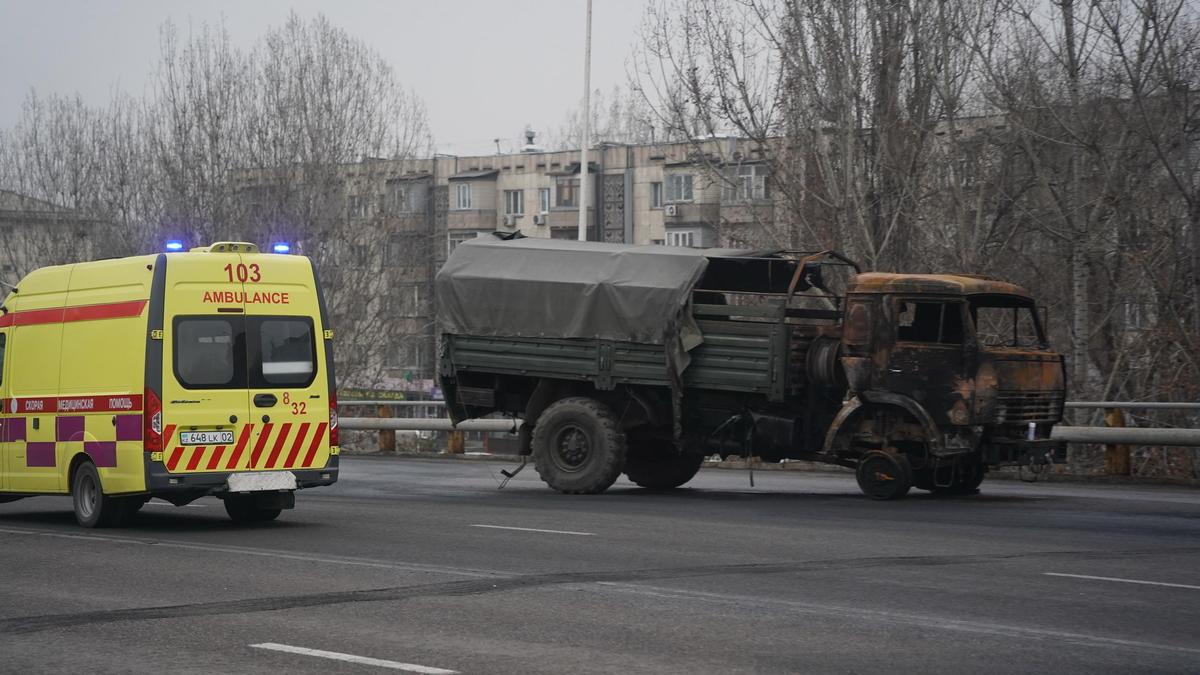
x=587 y=118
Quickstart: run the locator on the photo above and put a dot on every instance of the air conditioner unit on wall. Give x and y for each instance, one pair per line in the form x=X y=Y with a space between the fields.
x=539 y=219
x=510 y=221
x=671 y=210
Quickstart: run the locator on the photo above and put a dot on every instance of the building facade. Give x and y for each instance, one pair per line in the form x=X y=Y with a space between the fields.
x=395 y=222
x=35 y=233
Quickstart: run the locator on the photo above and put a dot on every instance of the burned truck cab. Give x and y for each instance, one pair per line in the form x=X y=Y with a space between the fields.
x=962 y=361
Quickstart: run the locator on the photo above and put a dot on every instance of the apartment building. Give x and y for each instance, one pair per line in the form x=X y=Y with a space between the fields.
x=406 y=216
x=36 y=233
x=680 y=194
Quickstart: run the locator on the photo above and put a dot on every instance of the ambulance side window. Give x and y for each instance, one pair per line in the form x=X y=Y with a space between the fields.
x=210 y=352
x=3 y=339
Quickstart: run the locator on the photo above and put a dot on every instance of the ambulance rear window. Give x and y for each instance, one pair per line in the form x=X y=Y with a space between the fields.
x=210 y=352
x=286 y=352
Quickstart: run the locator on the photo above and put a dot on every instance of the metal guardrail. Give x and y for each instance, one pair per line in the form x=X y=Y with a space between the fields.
x=426 y=424
x=1135 y=405
x=1095 y=435
x=1098 y=435
x=399 y=404
x=1128 y=436
x=1123 y=405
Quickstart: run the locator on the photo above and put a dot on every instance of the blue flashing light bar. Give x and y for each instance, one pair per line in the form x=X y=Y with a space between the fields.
x=282 y=247
x=174 y=245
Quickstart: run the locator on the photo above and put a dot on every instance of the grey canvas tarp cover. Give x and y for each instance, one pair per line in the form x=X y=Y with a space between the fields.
x=532 y=287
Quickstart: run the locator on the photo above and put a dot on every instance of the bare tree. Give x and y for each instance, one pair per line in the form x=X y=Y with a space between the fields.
x=621 y=116
x=261 y=144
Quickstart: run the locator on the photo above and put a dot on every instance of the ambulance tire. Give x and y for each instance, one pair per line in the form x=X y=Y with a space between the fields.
x=93 y=508
x=578 y=447
x=245 y=509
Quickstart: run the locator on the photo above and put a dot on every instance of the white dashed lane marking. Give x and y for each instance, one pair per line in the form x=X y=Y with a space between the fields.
x=534 y=529
x=353 y=658
x=1123 y=581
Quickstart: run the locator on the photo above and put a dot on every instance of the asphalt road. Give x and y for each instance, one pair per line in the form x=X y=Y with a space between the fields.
x=408 y=562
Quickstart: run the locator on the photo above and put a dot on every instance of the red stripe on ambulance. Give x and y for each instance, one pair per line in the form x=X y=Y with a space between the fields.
x=315 y=445
x=36 y=317
x=76 y=404
x=216 y=457
x=262 y=443
x=241 y=445
x=197 y=454
x=291 y=458
x=176 y=454
x=284 y=431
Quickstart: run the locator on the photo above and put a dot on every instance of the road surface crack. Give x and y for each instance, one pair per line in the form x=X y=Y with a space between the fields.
x=34 y=624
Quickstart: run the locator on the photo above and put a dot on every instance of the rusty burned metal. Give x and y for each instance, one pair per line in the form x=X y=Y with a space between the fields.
x=951 y=284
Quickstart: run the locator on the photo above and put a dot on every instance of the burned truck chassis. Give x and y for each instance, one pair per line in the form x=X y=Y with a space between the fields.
x=774 y=381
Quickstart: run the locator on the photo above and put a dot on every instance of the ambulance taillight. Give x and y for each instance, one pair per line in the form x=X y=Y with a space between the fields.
x=333 y=419
x=152 y=439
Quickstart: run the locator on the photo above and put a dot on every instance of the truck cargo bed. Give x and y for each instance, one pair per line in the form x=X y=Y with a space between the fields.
x=744 y=356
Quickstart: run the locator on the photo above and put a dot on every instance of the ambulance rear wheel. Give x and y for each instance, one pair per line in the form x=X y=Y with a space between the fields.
x=246 y=509
x=93 y=508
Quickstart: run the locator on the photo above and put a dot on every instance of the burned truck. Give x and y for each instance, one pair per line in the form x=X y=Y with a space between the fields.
x=644 y=360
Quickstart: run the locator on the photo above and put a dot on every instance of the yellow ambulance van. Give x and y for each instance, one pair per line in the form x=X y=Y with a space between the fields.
x=178 y=375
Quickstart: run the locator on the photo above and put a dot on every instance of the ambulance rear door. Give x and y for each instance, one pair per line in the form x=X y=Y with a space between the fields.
x=208 y=424
x=287 y=367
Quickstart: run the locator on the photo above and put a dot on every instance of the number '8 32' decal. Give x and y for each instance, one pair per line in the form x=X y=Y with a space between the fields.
x=298 y=407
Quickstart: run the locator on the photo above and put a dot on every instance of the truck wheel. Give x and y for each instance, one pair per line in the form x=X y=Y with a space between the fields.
x=578 y=447
x=884 y=476
x=661 y=470
x=246 y=509
x=93 y=508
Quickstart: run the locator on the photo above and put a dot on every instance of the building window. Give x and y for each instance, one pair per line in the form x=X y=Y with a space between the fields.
x=745 y=183
x=656 y=195
x=406 y=198
x=679 y=187
x=514 y=202
x=568 y=191
x=356 y=206
x=463 y=192
x=406 y=356
x=544 y=199
x=456 y=238
x=406 y=301
x=685 y=238
x=966 y=171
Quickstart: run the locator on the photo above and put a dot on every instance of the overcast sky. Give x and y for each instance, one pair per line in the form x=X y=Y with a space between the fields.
x=485 y=68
